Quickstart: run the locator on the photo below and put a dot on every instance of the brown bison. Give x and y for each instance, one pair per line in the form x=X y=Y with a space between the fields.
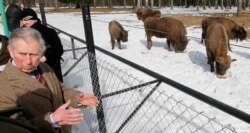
x=216 y=41
x=233 y=29
x=143 y=13
x=171 y=29
x=118 y=33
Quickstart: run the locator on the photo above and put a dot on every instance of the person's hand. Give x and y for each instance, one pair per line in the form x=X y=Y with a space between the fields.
x=67 y=116
x=88 y=100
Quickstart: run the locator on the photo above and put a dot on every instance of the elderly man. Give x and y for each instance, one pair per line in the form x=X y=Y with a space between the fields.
x=48 y=104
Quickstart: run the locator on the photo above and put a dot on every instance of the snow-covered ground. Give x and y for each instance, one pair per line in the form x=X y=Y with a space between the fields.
x=189 y=68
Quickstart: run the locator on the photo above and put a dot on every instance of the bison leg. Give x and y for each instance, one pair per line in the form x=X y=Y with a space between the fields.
x=211 y=66
x=119 y=44
x=202 y=37
x=149 y=41
x=169 y=43
x=210 y=60
x=112 y=43
x=229 y=48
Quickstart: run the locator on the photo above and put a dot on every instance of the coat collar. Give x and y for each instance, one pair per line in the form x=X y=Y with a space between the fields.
x=25 y=81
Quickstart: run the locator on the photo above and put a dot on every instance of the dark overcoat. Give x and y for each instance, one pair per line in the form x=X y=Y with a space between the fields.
x=54 y=48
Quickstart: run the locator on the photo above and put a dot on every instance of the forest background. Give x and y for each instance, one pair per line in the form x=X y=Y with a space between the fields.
x=242 y=15
x=241 y=4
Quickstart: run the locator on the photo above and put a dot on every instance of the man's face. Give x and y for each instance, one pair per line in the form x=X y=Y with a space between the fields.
x=28 y=22
x=26 y=54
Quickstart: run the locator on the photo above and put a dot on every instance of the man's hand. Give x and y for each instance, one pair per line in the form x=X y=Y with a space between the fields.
x=67 y=116
x=88 y=100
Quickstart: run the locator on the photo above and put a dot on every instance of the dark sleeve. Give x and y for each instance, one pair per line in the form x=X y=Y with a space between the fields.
x=13 y=14
x=54 y=46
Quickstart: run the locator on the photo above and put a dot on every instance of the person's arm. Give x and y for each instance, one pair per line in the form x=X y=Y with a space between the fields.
x=79 y=99
x=55 y=48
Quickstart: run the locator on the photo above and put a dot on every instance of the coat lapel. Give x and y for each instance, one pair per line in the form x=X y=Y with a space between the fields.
x=25 y=81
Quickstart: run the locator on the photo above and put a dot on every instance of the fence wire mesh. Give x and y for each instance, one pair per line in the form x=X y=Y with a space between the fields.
x=161 y=112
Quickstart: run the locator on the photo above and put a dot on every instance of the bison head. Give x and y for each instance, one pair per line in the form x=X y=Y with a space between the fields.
x=222 y=64
x=139 y=13
x=239 y=32
x=124 y=36
x=182 y=44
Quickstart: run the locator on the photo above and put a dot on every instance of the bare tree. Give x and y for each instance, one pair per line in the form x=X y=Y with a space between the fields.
x=124 y=3
x=221 y=5
x=204 y=3
x=186 y=4
x=152 y=3
x=197 y=4
x=244 y=4
x=171 y=4
x=248 y=4
x=56 y=5
x=216 y=4
x=138 y=3
x=159 y=3
x=94 y=3
x=146 y=3
x=110 y=3
x=239 y=7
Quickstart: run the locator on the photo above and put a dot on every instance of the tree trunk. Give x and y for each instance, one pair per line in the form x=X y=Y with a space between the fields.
x=221 y=5
x=216 y=4
x=152 y=4
x=110 y=3
x=248 y=4
x=94 y=3
x=209 y=3
x=159 y=3
x=239 y=7
x=171 y=4
x=56 y=5
x=146 y=3
x=244 y=4
x=138 y=3
x=124 y=3
x=103 y=3
x=204 y=3
x=197 y=4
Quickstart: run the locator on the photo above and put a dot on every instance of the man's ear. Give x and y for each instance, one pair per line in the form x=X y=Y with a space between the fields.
x=43 y=58
x=11 y=51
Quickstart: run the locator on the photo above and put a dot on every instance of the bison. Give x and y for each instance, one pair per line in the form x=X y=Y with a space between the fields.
x=233 y=29
x=143 y=13
x=216 y=42
x=118 y=33
x=171 y=29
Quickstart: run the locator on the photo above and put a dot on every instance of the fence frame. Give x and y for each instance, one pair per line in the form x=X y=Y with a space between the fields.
x=211 y=101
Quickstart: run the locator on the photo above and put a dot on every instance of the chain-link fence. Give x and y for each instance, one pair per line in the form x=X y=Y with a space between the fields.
x=131 y=106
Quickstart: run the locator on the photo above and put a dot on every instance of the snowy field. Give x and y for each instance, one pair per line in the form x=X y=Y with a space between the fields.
x=189 y=68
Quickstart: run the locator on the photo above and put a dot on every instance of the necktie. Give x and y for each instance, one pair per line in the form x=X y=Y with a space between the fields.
x=39 y=77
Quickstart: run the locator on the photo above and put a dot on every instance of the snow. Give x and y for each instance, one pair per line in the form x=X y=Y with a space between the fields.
x=189 y=68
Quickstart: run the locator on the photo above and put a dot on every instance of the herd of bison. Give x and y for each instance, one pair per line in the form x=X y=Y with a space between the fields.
x=216 y=32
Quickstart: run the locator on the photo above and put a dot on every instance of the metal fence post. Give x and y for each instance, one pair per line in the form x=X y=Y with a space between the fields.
x=93 y=66
x=41 y=7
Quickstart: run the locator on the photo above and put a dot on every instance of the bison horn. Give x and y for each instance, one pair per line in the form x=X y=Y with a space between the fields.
x=234 y=60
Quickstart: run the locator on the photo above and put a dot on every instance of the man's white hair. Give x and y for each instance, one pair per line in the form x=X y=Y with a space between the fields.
x=24 y=33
